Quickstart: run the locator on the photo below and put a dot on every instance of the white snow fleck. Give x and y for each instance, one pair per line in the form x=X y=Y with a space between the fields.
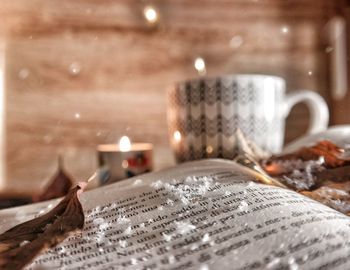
x=157 y=184
x=98 y=221
x=123 y=243
x=123 y=220
x=128 y=230
x=243 y=206
x=133 y=261
x=138 y=182
x=204 y=267
x=194 y=246
x=167 y=237
x=184 y=227
x=273 y=263
x=191 y=190
x=103 y=226
x=292 y=264
x=170 y=202
x=171 y=259
x=206 y=237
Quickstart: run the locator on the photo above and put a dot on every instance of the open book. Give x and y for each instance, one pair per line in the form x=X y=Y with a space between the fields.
x=211 y=214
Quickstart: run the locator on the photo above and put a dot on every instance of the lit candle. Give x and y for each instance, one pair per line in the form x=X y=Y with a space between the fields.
x=123 y=160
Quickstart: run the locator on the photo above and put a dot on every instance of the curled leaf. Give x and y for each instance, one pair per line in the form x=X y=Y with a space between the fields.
x=58 y=186
x=334 y=195
x=308 y=167
x=321 y=172
x=340 y=174
x=328 y=151
x=22 y=243
x=243 y=146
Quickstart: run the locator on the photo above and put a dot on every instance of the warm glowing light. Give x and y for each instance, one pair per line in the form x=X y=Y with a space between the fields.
x=177 y=136
x=74 y=68
x=151 y=14
x=199 y=65
x=77 y=116
x=284 y=29
x=209 y=149
x=310 y=73
x=124 y=144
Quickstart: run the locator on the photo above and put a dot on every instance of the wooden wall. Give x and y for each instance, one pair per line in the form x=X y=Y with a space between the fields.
x=80 y=73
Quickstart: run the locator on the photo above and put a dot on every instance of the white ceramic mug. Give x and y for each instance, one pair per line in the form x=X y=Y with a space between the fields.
x=203 y=114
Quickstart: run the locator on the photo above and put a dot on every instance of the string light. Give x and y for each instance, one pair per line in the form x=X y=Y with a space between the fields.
x=151 y=14
x=209 y=149
x=284 y=30
x=74 y=68
x=177 y=136
x=199 y=65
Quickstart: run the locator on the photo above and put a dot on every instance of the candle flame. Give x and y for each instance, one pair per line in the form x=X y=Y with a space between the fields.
x=124 y=144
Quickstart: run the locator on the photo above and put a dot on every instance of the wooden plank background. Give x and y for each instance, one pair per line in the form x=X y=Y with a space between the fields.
x=101 y=61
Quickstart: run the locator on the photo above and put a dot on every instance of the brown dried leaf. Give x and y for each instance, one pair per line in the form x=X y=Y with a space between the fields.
x=340 y=174
x=334 y=195
x=58 y=186
x=326 y=149
x=22 y=243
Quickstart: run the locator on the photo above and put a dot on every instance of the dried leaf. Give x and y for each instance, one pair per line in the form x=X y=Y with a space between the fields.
x=330 y=152
x=340 y=174
x=320 y=172
x=252 y=164
x=58 y=186
x=243 y=146
x=21 y=244
x=334 y=195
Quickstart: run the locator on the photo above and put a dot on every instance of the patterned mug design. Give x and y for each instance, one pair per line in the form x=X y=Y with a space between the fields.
x=204 y=114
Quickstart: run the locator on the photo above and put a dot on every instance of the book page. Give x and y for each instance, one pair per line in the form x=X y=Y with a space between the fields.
x=201 y=215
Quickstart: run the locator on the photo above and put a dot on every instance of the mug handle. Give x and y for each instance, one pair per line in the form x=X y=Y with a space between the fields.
x=316 y=104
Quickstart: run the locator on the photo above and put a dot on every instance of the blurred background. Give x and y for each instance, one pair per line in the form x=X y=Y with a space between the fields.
x=75 y=74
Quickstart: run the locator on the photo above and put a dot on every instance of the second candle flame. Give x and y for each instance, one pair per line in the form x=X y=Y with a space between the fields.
x=124 y=144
